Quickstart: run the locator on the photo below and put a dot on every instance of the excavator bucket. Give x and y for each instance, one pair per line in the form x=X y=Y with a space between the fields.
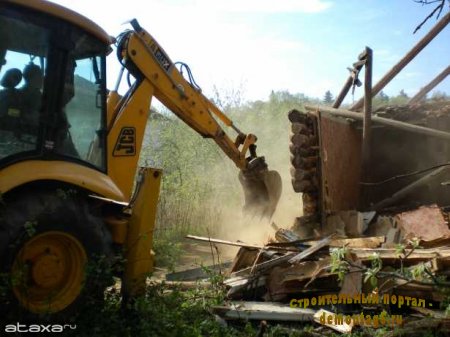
x=262 y=191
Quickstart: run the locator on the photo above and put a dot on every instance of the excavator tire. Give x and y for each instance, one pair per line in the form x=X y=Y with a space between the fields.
x=54 y=254
x=305 y=160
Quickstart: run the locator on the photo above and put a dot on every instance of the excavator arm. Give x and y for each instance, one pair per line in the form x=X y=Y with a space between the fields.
x=147 y=61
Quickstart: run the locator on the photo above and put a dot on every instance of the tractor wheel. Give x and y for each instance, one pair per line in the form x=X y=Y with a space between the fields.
x=55 y=255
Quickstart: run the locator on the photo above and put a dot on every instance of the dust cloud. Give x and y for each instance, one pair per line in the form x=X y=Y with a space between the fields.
x=235 y=225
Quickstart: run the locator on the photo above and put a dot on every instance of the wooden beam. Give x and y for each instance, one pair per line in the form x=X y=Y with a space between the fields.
x=426 y=89
x=367 y=128
x=406 y=59
x=351 y=80
x=380 y=120
x=408 y=189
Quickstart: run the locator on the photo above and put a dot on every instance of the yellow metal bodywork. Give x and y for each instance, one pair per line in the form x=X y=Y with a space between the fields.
x=64 y=14
x=187 y=102
x=131 y=114
x=111 y=104
x=34 y=170
x=138 y=247
x=48 y=272
x=118 y=227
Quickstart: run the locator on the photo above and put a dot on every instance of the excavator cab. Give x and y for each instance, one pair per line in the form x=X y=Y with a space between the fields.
x=52 y=95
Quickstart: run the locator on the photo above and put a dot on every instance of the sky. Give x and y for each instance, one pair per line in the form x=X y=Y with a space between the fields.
x=302 y=46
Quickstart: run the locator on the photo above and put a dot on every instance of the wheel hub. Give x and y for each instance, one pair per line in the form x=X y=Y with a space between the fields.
x=48 y=272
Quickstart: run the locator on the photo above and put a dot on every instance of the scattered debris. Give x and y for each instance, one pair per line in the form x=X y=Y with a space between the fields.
x=412 y=223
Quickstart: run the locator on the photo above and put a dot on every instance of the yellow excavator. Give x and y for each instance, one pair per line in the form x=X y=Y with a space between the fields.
x=72 y=195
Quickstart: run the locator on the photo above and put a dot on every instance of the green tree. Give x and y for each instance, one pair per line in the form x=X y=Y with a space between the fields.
x=380 y=100
x=402 y=93
x=383 y=97
x=328 y=99
x=439 y=95
x=401 y=98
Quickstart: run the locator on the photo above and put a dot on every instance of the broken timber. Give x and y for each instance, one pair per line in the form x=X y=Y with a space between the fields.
x=311 y=250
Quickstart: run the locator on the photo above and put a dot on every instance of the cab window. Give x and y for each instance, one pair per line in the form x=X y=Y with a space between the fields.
x=23 y=65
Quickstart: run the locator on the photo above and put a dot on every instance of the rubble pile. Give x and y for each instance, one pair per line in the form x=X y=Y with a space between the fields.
x=372 y=247
x=345 y=284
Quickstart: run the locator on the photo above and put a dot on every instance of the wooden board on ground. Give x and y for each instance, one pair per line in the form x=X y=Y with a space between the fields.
x=264 y=311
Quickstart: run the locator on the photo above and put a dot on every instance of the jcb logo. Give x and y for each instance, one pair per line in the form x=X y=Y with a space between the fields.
x=126 y=143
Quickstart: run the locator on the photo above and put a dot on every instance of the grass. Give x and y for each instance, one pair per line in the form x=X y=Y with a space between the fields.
x=177 y=218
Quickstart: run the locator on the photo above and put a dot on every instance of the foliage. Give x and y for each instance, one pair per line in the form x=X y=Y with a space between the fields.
x=328 y=98
x=338 y=262
x=371 y=273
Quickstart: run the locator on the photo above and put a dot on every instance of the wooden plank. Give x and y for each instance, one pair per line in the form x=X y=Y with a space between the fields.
x=311 y=250
x=232 y=243
x=264 y=265
x=223 y=242
x=323 y=317
x=263 y=311
x=352 y=283
x=368 y=242
x=244 y=258
x=390 y=253
x=241 y=283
